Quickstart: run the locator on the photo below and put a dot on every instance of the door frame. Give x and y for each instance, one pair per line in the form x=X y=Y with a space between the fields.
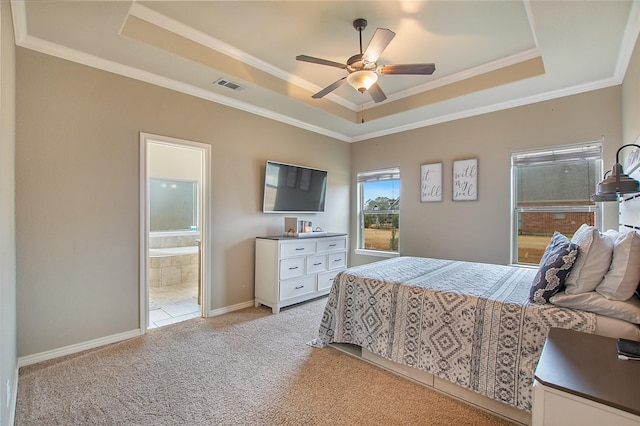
x=205 y=221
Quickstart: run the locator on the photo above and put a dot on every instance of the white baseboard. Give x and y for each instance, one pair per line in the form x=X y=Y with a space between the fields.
x=227 y=309
x=78 y=347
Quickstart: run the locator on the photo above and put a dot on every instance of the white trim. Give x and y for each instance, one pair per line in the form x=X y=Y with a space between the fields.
x=143 y=309
x=231 y=308
x=78 y=347
x=205 y=221
x=631 y=31
x=24 y=40
x=376 y=253
x=72 y=55
x=462 y=75
x=500 y=106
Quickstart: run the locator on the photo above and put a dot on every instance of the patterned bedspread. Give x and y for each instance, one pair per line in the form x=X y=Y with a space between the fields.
x=469 y=323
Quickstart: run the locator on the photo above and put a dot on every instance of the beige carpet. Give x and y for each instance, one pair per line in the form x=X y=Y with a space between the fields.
x=246 y=368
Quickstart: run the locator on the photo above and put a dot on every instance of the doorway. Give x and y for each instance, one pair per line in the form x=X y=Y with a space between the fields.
x=174 y=201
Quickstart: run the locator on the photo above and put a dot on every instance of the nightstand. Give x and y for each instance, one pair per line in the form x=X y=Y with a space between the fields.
x=579 y=380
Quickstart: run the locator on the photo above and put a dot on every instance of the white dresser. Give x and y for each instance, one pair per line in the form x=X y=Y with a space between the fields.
x=292 y=270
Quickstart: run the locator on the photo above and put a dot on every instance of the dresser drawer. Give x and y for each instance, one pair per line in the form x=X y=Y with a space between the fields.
x=297 y=287
x=297 y=248
x=326 y=279
x=293 y=267
x=316 y=264
x=330 y=245
x=337 y=260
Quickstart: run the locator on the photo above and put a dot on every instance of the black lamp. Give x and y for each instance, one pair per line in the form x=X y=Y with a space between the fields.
x=617 y=182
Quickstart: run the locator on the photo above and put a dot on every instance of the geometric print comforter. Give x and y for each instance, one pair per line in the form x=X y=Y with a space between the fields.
x=469 y=323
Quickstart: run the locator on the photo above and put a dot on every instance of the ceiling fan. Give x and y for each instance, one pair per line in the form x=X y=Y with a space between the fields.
x=363 y=69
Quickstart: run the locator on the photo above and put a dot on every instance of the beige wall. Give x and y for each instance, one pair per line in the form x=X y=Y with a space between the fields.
x=480 y=230
x=8 y=366
x=77 y=173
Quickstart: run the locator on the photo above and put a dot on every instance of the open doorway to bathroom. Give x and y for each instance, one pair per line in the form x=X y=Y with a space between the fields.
x=174 y=284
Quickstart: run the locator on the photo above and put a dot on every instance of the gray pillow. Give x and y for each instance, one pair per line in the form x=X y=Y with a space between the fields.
x=556 y=263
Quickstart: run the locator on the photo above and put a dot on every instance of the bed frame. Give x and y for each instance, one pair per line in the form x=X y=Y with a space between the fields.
x=629 y=208
x=482 y=402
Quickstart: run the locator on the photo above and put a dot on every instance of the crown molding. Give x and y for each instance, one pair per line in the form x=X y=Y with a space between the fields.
x=23 y=39
x=500 y=106
x=176 y=27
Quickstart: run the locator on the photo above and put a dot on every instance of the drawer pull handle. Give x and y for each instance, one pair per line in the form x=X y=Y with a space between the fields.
x=332 y=245
x=300 y=248
x=338 y=260
x=293 y=267
x=299 y=287
x=317 y=264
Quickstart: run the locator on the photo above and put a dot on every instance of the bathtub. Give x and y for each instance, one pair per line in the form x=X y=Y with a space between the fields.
x=173 y=266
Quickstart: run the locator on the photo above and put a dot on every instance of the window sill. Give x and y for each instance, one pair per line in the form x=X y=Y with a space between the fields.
x=376 y=253
x=524 y=265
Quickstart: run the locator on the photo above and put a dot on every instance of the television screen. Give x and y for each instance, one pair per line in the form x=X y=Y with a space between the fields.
x=293 y=189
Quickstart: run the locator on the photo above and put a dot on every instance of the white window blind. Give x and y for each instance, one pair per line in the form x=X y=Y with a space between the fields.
x=557 y=155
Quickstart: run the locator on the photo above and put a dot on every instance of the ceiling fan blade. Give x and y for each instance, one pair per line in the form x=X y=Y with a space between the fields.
x=376 y=93
x=417 y=69
x=330 y=88
x=313 y=60
x=378 y=43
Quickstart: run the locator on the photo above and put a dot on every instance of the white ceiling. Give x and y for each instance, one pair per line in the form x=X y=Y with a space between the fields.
x=489 y=55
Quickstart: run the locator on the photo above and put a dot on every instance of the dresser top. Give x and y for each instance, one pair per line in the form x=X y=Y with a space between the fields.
x=587 y=365
x=284 y=237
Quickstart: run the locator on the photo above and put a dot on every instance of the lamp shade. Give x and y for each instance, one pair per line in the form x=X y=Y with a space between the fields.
x=599 y=197
x=362 y=80
x=618 y=182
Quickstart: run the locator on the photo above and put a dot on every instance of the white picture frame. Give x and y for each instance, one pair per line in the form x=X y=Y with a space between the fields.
x=431 y=182
x=465 y=180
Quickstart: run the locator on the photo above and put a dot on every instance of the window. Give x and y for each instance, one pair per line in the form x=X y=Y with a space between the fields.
x=552 y=192
x=379 y=210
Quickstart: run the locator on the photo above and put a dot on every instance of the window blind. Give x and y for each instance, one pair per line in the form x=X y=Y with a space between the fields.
x=557 y=155
x=378 y=175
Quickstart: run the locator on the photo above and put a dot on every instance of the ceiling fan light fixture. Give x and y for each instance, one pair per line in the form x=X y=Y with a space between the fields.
x=362 y=80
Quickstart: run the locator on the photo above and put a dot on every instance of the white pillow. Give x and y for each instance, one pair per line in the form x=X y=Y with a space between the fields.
x=594 y=259
x=628 y=310
x=623 y=276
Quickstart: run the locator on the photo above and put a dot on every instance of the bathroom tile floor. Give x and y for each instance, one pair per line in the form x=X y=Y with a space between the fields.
x=172 y=303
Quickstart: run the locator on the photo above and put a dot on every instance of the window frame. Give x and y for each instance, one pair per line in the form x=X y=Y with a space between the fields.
x=553 y=155
x=389 y=173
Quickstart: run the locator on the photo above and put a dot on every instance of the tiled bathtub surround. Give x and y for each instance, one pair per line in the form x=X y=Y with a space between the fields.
x=173 y=266
x=166 y=240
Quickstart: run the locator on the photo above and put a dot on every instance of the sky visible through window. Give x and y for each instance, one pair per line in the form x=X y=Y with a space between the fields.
x=383 y=188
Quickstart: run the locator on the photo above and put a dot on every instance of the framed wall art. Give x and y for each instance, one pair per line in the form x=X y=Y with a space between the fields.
x=431 y=182
x=465 y=180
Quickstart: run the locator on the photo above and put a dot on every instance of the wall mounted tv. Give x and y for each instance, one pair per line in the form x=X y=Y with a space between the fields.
x=293 y=189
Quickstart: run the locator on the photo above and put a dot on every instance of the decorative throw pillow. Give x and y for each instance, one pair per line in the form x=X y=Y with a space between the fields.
x=556 y=263
x=592 y=262
x=627 y=310
x=622 y=279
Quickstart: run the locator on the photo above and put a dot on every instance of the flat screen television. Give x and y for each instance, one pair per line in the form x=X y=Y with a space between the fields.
x=293 y=189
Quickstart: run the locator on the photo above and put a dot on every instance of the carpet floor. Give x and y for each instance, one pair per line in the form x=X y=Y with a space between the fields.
x=247 y=367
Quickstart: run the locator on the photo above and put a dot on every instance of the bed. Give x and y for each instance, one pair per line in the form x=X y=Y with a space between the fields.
x=476 y=330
